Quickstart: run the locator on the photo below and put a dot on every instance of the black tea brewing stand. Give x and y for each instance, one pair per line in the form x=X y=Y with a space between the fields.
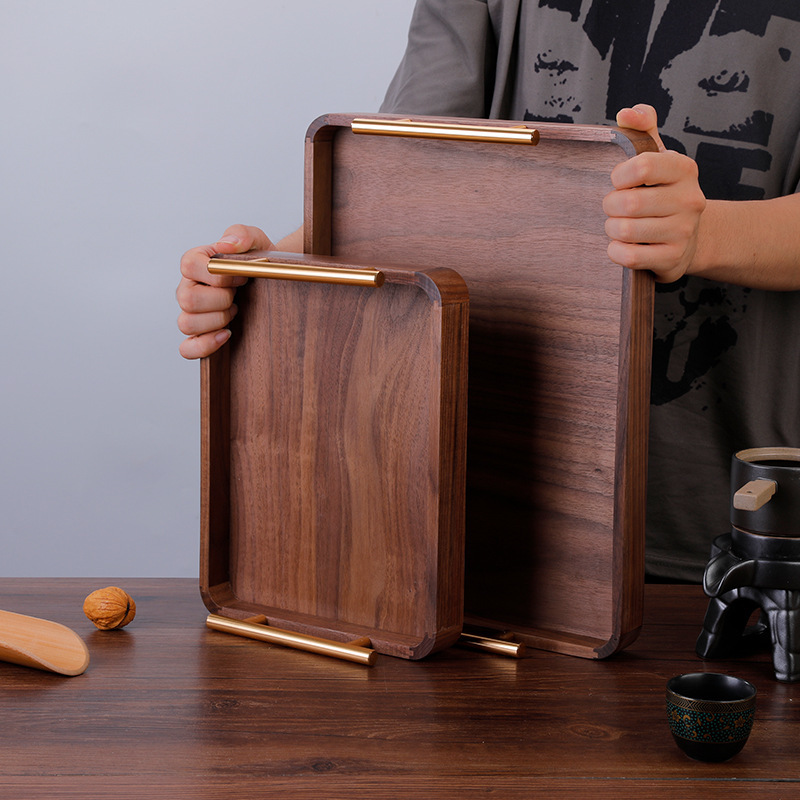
x=757 y=564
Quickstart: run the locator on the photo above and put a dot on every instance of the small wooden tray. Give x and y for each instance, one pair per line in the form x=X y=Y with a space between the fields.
x=333 y=450
x=560 y=346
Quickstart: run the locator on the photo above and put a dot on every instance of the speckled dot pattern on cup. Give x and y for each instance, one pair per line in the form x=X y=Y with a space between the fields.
x=703 y=722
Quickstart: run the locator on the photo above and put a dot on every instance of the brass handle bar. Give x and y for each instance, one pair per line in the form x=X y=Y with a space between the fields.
x=264 y=268
x=500 y=647
x=435 y=130
x=299 y=641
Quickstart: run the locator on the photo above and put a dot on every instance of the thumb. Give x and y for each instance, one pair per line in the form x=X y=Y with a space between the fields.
x=641 y=118
x=241 y=238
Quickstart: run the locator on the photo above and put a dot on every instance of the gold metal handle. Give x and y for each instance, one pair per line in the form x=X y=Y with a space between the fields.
x=347 y=651
x=264 y=268
x=434 y=130
x=499 y=647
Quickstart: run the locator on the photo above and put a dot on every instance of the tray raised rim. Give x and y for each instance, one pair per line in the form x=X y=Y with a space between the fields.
x=447 y=297
x=627 y=555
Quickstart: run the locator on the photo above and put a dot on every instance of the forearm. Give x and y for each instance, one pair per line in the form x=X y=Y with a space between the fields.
x=750 y=243
x=292 y=242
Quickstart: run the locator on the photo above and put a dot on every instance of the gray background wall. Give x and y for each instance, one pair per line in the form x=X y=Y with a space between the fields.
x=131 y=132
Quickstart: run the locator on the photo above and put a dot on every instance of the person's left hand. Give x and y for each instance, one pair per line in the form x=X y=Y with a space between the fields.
x=655 y=208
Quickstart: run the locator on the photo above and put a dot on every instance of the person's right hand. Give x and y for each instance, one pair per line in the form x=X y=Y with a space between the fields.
x=655 y=209
x=206 y=300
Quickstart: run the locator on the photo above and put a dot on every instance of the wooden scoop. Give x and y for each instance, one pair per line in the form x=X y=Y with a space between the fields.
x=39 y=643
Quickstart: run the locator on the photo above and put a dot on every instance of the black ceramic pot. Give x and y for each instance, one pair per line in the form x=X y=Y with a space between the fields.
x=757 y=564
x=765 y=491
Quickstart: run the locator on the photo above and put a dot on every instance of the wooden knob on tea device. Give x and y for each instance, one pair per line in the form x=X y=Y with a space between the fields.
x=754 y=495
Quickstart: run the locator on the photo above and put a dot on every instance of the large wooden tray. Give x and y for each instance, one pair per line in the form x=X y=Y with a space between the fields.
x=560 y=346
x=333 y=458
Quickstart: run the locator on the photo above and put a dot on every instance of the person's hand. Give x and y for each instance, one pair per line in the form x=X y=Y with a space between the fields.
x=206 y=300
x=655 y=208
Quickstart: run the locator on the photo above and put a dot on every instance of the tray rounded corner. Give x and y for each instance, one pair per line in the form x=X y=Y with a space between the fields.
x=216 y=597
x=633 y=142
x=616 y=643
x=434 y=642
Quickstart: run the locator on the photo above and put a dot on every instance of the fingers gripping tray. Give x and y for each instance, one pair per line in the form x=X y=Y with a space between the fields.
x=559 y=349
x=333 y=455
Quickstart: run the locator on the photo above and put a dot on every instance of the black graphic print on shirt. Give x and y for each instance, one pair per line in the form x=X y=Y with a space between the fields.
x=688 y=59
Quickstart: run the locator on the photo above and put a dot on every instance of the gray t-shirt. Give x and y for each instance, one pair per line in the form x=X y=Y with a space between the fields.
x=724 y=76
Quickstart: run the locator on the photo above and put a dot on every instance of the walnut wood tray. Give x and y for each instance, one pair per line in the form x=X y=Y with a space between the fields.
x=559 y=355
x=333 y=450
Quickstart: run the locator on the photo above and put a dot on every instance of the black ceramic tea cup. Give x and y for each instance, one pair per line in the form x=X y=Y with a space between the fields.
x=710 y=715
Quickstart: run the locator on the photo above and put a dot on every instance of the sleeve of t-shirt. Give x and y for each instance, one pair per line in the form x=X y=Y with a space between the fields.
x=448 y=65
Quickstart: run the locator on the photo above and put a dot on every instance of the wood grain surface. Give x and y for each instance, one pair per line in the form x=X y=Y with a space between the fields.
x=334 y=459
x=169 y=709
x=559 y=358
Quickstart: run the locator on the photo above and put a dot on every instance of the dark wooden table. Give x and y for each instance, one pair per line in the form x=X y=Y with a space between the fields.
x=170 y=709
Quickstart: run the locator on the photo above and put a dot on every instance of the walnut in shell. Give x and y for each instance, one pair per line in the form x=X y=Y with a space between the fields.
x=109 y=608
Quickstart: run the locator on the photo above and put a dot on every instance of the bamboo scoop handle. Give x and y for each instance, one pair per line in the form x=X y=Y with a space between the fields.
x=39 y=643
